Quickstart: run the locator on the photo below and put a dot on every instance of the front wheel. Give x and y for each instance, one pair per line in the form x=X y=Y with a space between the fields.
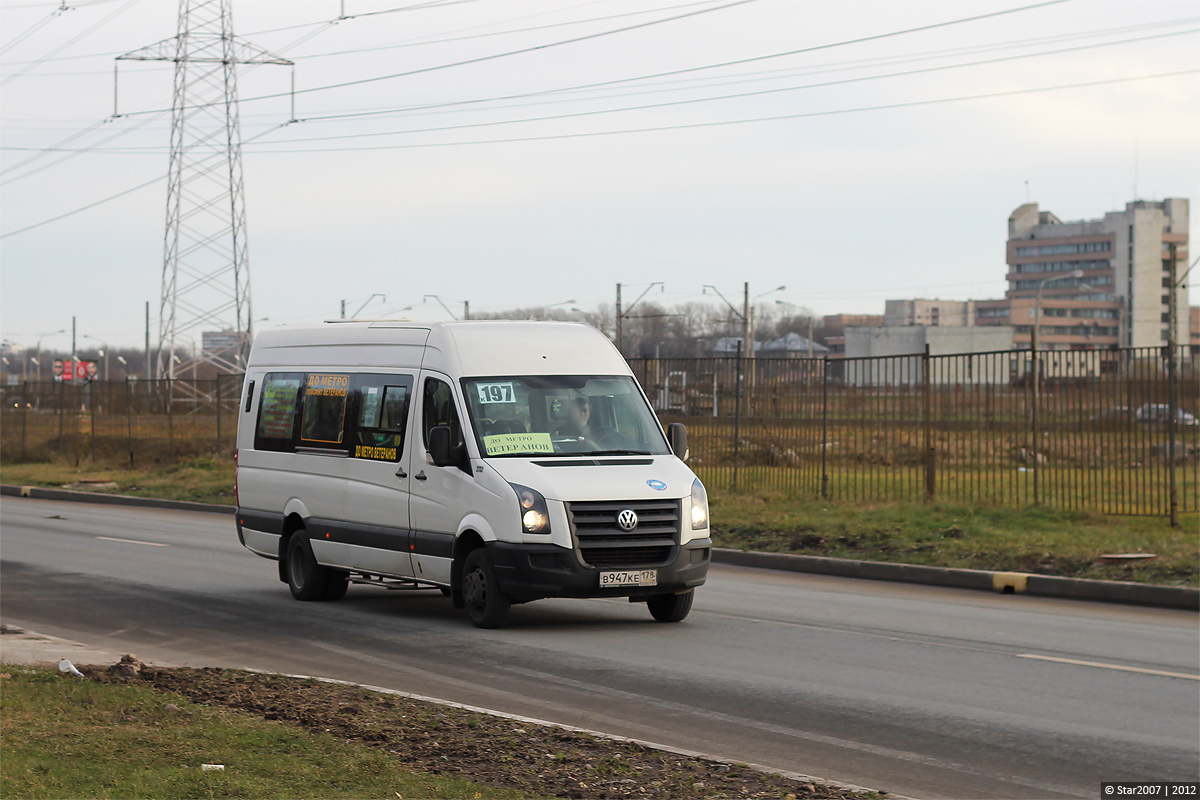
x=487 y=606
x=670 y=607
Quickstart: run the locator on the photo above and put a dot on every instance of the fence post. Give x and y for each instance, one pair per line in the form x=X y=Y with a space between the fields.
x=737 y=412
x=1033 y=415
x=170 y=421
x=62 y=402
x=91 y=407
x=1172 y=391
x=24 y=419
x=218 y=413
x=129 y=418
x=824 y=426
x=930 y=474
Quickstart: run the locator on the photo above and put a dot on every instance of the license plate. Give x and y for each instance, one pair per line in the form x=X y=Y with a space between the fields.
x=633 y=577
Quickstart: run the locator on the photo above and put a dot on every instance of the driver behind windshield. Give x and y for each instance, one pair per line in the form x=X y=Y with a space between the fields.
x=576 y=415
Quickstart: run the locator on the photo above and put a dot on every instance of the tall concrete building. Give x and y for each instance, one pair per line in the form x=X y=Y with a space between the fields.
x=1102 y=282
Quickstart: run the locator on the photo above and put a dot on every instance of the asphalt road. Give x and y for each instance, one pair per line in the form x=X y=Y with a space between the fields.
x=927 y=692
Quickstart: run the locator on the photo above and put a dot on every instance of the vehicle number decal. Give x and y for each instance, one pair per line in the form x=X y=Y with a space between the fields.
x=496 y=393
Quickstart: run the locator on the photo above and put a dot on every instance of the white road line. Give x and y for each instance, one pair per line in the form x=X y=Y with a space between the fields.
x=132 y=541
x=1111 y=666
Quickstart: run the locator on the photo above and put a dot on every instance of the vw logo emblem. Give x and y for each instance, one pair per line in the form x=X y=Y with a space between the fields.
x=627 y=519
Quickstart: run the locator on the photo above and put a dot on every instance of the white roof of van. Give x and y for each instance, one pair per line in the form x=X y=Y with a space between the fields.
x=459 y=349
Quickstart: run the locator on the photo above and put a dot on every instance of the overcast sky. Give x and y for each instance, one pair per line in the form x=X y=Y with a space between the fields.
x=893 y=179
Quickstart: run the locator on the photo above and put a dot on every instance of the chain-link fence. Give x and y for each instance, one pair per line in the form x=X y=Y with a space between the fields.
x=1092 y=431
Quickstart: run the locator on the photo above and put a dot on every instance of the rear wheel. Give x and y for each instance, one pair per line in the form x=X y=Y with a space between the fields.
x=486 y=605
x=670 y=607
x=306 y=578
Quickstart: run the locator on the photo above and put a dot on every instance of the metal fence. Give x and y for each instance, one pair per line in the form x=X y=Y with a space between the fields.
x=132 y=423
x=1092 y=431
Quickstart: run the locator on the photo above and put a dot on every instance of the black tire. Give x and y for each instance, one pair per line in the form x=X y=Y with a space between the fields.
x=306 y=578
x=670 y=607
x=336 y=584
x=486 y=605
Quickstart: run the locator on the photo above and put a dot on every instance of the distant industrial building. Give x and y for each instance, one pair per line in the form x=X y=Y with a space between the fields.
x=1097 y=284
x=1102 y=282
x=834 y=328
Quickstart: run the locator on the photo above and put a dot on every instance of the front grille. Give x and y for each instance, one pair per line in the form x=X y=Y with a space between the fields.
x=604 y=545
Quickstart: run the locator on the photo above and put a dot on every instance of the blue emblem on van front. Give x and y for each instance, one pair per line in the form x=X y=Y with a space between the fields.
x=657 y=486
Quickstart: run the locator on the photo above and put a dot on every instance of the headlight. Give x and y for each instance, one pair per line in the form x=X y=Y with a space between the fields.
x=699 y=506
x=535 y=518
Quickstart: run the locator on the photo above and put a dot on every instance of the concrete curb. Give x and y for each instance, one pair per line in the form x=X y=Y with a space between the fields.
x=985 y=580
x=38 y=493
x=19 y=647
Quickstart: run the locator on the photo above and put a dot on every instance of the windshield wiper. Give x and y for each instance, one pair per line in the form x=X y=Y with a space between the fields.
x=618 y=453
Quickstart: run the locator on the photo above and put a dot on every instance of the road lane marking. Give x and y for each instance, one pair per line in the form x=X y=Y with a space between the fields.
x=132 y=541
x=1110 y=666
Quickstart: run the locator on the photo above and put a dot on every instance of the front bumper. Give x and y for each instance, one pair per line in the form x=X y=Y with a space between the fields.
x=535 y=571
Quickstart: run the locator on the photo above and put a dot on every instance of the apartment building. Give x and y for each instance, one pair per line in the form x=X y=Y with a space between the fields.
x=1097 y=283
x=934 y=313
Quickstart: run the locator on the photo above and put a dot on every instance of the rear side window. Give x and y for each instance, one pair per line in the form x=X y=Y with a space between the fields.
x=277 y=411
x=324 y=418
x=363 y=416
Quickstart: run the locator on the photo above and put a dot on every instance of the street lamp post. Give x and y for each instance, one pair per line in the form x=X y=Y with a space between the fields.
x=381 y=297
x=809 y=313
x=38 y=359
x=619 y=321
x=1037 y=305
x=103 y=351
x=751 y=305
x=1037 y=373
x=570 y=302
x=466 y=306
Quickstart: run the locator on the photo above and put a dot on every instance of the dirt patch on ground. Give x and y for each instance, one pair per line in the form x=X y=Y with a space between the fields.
x=538 y=759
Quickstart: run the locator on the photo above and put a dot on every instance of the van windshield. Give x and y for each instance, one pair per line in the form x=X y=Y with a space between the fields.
x=562 y=415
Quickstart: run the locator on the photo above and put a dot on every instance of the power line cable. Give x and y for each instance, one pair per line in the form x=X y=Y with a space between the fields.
x=776 y=118
x=105 y=200
x=70 y=42
x=72 y=154
x=457 y=104
x=493 y=56
x=426 y=41
x=682 y=126
x=741 y=95
x=20 y=37
x=84 y=208
x=110 y=54
x=815 y=48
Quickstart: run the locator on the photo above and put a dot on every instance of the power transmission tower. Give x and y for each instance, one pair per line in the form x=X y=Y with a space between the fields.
x=206 y=269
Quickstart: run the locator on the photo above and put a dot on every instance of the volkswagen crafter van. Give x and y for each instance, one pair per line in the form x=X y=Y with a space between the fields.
x=499 y=461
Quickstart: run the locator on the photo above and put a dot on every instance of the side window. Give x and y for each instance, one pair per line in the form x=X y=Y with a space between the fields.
x=277 y=412
x=382 y=402
x=437 y=408
x=323 y=422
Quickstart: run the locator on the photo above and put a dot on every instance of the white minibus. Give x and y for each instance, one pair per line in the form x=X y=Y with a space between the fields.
x=500 y=461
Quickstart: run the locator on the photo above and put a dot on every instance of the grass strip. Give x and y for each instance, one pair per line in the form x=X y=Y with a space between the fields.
x=1038 y=540
x=66 y=737
x=144 y=732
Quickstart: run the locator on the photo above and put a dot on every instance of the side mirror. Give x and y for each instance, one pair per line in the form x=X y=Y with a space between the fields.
x=677 y=438
x=439 y=446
